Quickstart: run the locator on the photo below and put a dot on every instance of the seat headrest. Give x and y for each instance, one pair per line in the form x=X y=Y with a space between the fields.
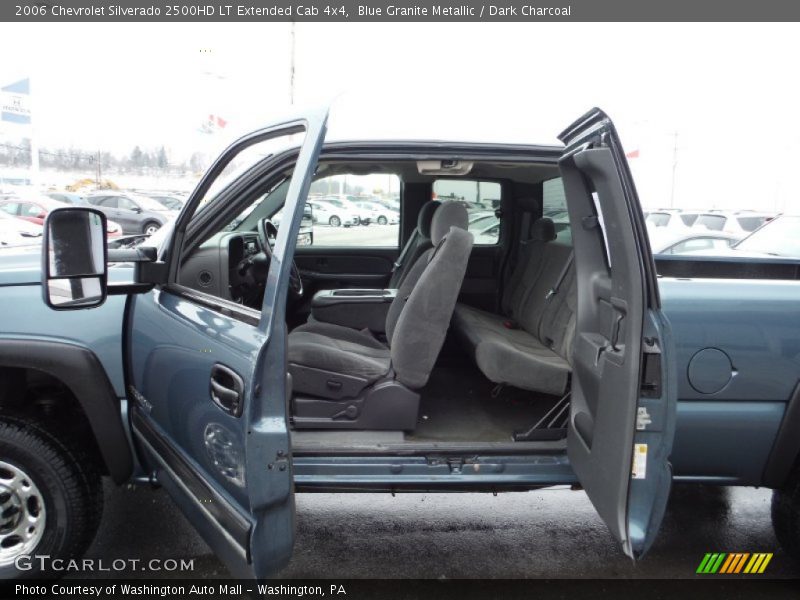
x=426 y=217
x=543 y=230
x=449 y=214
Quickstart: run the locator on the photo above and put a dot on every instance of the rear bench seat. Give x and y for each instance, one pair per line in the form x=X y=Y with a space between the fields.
x=528 y=346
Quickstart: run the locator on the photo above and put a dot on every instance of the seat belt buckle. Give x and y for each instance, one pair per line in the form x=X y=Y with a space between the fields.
x=510 y=325
x=550 y=293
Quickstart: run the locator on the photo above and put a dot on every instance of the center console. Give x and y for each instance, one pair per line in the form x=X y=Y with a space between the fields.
x=355 y=308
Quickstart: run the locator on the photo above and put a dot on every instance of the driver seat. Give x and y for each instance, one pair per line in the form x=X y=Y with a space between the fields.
x=347 y=379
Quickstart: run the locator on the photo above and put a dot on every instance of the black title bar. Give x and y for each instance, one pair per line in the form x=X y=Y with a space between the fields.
x=403 y=10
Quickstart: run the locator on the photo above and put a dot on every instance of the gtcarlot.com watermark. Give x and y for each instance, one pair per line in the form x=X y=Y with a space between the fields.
x=30 y=562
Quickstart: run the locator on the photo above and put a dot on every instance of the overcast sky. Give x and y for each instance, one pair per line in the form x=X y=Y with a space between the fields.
x=728 y=91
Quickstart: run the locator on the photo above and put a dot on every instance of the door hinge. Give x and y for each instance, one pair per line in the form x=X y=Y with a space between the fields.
x=650 y=386
x=281 y=462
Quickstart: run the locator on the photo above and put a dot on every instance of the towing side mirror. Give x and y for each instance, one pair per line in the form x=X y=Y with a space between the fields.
x=74 y=267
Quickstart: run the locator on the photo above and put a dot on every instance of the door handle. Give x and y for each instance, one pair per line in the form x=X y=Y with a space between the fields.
x=227 y=389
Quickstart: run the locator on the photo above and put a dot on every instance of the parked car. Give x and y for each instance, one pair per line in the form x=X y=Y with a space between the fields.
x=68 y=198
x=134 y=212
x=335 y=215
x=35 y=208
x=778 y=237
x=577 y=362
x=344 y=203
x=378 y=213
x=305 y=237
x=15 y=231
x=664 y=218
x=737 y=222
x=691 y=241
x=169 y=201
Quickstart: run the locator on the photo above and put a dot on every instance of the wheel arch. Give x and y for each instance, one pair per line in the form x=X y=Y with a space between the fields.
x=785 y=453
x=81 y=372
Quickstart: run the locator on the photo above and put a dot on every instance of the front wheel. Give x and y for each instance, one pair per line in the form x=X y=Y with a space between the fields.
x=150 y=228
x=50 y=500
x=334 y=221
x=786 y=514
x=382 y=220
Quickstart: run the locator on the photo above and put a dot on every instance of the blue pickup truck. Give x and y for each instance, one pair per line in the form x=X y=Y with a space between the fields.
x=507 y=344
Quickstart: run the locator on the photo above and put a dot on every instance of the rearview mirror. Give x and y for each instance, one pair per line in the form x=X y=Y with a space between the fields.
x=74 y=268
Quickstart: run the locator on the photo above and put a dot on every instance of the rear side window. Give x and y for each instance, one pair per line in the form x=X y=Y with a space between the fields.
x=711 y=222
x=751 y=223
x=689 y=219
x=30 y=210
x=481 y=199
x=658 y=219
x=554 y=206
x=355 y=210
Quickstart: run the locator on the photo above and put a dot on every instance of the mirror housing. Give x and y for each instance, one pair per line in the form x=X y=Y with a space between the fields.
x=74 y=258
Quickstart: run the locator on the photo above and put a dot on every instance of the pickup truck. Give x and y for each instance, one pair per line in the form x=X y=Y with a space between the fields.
x=235 y=368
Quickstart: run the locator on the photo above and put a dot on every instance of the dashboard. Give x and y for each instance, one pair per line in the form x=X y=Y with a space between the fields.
x=214 y=268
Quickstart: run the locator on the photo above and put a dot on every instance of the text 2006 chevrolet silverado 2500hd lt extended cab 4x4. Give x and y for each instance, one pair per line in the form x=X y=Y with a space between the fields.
x=235 y=367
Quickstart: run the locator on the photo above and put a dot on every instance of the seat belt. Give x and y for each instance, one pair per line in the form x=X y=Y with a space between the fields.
x=553 y=291
x=561 y=276
x=400 y=259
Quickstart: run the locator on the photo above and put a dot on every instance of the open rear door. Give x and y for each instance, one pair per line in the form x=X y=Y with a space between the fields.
x=622 y=415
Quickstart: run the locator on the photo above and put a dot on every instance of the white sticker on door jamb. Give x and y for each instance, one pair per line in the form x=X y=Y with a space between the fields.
x=639 y=461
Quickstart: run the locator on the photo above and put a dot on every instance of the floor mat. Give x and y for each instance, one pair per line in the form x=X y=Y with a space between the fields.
x=457 y=405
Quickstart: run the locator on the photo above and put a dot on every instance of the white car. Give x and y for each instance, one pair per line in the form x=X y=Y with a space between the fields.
x=15 y=232
x=378 y=213
x=778 y=237
x=741 y=223
x=691 y=241
x=663 y=218
x=326 y=213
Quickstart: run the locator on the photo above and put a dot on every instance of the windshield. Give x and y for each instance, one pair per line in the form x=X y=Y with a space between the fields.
x=780 y=237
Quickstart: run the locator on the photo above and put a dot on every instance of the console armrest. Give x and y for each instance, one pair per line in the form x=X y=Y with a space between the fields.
x=356 y=308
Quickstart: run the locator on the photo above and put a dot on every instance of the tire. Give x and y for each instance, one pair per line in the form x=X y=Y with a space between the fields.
x=786 y=514
x=335 y=221
x=382 y=220
x=150 y=228
x=52 y=485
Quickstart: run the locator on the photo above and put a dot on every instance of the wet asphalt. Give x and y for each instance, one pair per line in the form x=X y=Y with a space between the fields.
x=551 y=533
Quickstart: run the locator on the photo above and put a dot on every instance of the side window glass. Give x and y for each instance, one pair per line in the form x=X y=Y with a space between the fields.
x=11 y=208
x=554 y=206
x=355 y=210
x=30 y=210
x=109 y=202
x=481 y=199
x=125 y=203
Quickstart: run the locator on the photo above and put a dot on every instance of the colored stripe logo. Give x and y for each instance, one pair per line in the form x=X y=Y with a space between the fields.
x=734 y=563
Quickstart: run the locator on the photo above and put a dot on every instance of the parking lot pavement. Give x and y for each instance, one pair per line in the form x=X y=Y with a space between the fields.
x=551 y=533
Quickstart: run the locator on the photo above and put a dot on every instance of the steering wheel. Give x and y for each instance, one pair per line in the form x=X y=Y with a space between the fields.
x=267 y=232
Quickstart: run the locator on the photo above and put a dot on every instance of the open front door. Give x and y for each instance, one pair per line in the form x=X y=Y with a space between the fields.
x=207 y=377
x=622 y=415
